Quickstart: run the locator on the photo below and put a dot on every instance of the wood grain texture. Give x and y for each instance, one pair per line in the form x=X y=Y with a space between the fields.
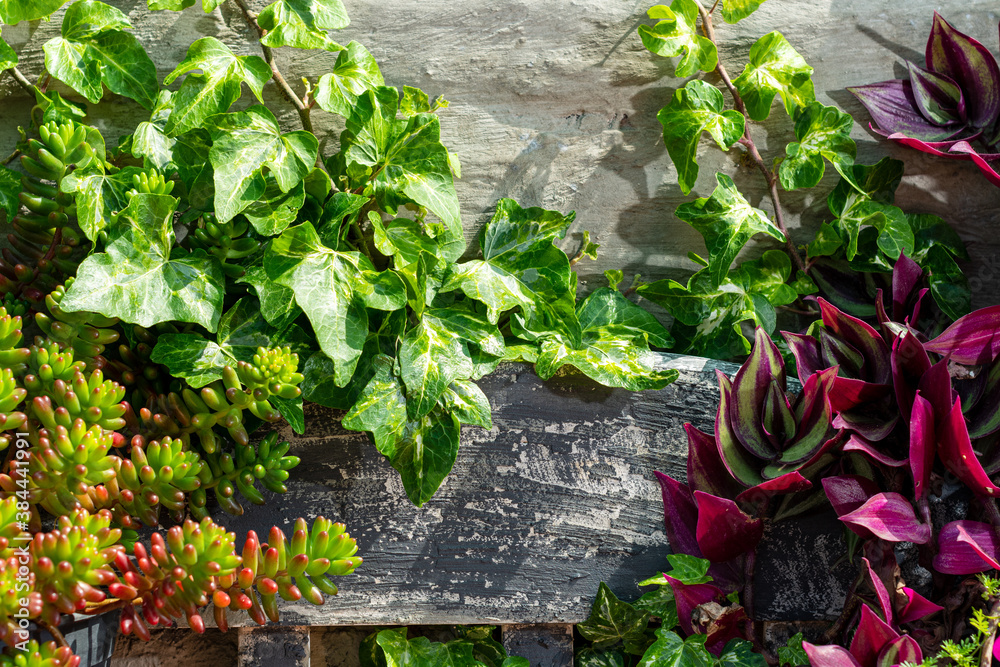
x=556 y=498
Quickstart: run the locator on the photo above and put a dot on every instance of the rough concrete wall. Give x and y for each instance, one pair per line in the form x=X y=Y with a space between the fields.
x=554 y=103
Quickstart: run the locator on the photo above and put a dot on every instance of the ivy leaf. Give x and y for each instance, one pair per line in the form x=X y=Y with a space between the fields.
x=150 y=140
x=13 y=12
x=245 y=142
x=727 y=221
x=275 y=210
x=696 y=108
x=421 y=652
x=381 y=407
x=172 y=5
x=333 y=289
x=302 y=24
x=10 y=187
x=140 y=280
x=354 y=73
x=593 y=657
x=94 y=49
x=612 y=621
x=740 y=653
x=677 y=35
x=521 y=268
x=432 y=355
x=466 y=401
x=822 y=132
x=734 y=11
x=877 y=182
x=689 y=569
x=291 y=409
x=669 y=650
x=425 y=454
x=406 y=158
x=215 y=89
x=614 y=348
x=774 y=68
x=98 y=197
x=894 y=237
x=57 y=108
x=406 y=240
x=661 y=604
x=8 y=58
x=792 y=654
x=948 y=285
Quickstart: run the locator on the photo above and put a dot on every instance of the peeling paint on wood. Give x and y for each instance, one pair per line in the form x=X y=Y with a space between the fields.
x=273 y=647
x=541 y=645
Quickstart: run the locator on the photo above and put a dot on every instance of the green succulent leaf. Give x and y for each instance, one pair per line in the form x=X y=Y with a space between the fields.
x=669 y=650
x=10 y=187
x=727 y=221
x=734 y=11
x=214 y=89
x=677 y=35
x=354 y=73
x=302 y=24
x=140 y=279
x=822 y=132
x=775 y=68
x=404 y=157
x=696 y=108
x=612 y=621
x=8 y=58
x=243 y=144
x=334 y=289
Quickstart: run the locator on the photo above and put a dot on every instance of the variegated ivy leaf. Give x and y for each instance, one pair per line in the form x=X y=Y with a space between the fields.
x=734 y=11
x=303 y=24
x=614 y=348
x=521 y=268
x=275 y=210
x=172 y=5
x=866 y=200
x=727 y=221
x=354 y=73
x=334 y=289
x=216 y=87
x=466 y=401
x=670 y=649
x=94 y=49
x=57 y=108
x=10 y=187
x=775 y=68
x=8 y=58
x=99 y=196
x=425 y=454
x=612 y=621
x=696 y=108
x=15 y=11
x=245 y=142
x=822 y=132
x=277 y=302
x=150 y=140
x=677 y=35
x=381 y=408
x=142 y=279
x=405 y=157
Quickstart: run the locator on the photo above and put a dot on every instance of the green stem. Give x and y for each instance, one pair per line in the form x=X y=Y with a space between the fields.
x=986 y=659
x=747 y=142
x=23 y=81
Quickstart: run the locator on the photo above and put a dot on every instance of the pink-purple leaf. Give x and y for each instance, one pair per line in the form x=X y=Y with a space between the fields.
x=938 y=98
x=980 y=160
x=967 y=547
x=862 y=337
x=881 y=594
x=970 y=65
x=830 y=655
x=902 y=649
x=909 y=363
x=680 y=514
x=871 y=637
x=905 y=278
x=858 y=444
x=923 y=444
x=724 y=530
x=792 y=482
x=889 y=516
x=955 y=450
x=894 y=109
x=916 y=607
x=733 y=454
x=706 y=470
x=805 y=349
x=689 y=596
x=971 y=340
x=847 y=493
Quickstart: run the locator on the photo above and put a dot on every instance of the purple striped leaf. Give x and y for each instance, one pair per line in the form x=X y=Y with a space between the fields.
x=733 y=455
x=938 y=98
x=967 y=547
x=894 y=109
x=971 y=340
x=830 y=655
x=724 y=530
x=806 y=351
x=706 y=470
x=862 y=337
x=902 y=649
x=750 y=387
x=872 y=635
x=970 y=65
x=889 y=516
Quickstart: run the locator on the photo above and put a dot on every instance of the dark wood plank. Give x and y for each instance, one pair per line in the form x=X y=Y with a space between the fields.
x=556 y=498
x=273 y=647
x=543 y=645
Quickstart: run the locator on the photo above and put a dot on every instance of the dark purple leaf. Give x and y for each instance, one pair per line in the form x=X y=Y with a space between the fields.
x=894 y=109
x=792 y=482
x=902 y=649
x=889 y=516
x=680 y=515
x=923 y=444
x=731 y=624
x=733 y=455
x=905 y=278
x=871 y=637
x=972 y=340
x=750 y=387
x=829 y=656
x=938 y=98
x=916 y=607
x=881 y=593
x=724 y=530
x=935 y=386
x=970 y=65
x=909 y=363
x=862 y=337
x=689 y=596
x=705 y=469
x=805 y=349
x=849 y=393
x=967 y=547
x=991 y=174
x=858 y=444
x=955 y=450
x=847 y=493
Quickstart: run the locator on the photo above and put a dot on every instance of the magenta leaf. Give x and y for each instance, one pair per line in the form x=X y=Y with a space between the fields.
x=680 y=514
x=705 y=469
x=689 y=596
x=905 y=278
x=750 y=388
x=847 y=493
x=980 y=160
x=923 y=444
x=902 y=649
x=909 y=363
x=894 y=109
x=938 y=98
x=724 y=530
x=792 y=482
x=881 y=594
x=916 y=607
x=805 y=349
x=858 y=444
x=829 y=656
x=955 y=450
x=967 y=547
x=871 y=637
x=970 y=65
x=862 y=337
x=971 y=340
x=889 y=516
x=935 y=386
x=849 y=393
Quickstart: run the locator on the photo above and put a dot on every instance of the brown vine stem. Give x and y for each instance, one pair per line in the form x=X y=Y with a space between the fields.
x=747 y=141
x=986 y=659
x=54 y=631
x=286 y=90
x=22 y=81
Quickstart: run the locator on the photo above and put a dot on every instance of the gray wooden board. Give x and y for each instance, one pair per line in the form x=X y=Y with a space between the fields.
x=540 y=645
x=556 y=498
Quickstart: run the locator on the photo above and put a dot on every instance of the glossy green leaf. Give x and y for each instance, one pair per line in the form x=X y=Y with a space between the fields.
x=466 y=401
x=10 y=187
x=792 y=654
x=740 y=653
x=292 y=411
x=172 y=5
x=140 y=280
x=612 y=621
x=696 y=108
x=669 y=650
x=354 y=73
x=150 y=140
x=333 y=289
x=277 y=302
x=727 y=221
x=57 y=108
x=948 y=285
x=216 y=87
x=381 y=408
x=302 y=23
x=8 y=58
x=877 y=182
x=68 y=62
x=734 y=11
x=822 y=132
x=775 y=68
x=422 y=652
x=431 y=357
x=13 y=12
x=677 y=34
x=98 y=197
x=594 y=657
x=828 y=241
x=425 y=454
x=661 y=604
x=275 y=210
x=406 y=158
x=406 y=239
x=689 y=569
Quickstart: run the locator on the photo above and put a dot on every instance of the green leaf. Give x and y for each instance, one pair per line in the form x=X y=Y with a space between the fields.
x=727 y=221
x=56 y=108
x=689 y=569
x=140 y=280
x=275 y=210
x=593 y=657
x=13 y=12
x=243 y=144
x=677 y=35
x=521 y=268
x=827 y=241
x=466 y=401
x=877 y=182
x=291 y=409
x=734 y=11
x=822 y=132
x=277 y=302
x=740 y=653
x=406 y=158
x=669 y=650
x=948 y=285
x=333 y=289
x=381 y=408
x=406 y=239
x=99 y=197
x=425 y=454
x=8 y=58
x=775 y=68
x=150 y=140
x=929 y=231
x=302 y=23
x=68 y=62
x=172 y=5
x=793 y=654
x=10 y=187
x=215 y=89
x=515 y=661
x=612 y=621
x=354 y=73
x=696 y=108
x=421 y=652
x=661 y=604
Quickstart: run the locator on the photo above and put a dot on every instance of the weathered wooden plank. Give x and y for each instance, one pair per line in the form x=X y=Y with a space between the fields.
x=273 y=647
x=557 y=497
x=542 y=645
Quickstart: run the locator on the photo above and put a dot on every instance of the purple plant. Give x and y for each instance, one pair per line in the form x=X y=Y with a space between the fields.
x=945 y=106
